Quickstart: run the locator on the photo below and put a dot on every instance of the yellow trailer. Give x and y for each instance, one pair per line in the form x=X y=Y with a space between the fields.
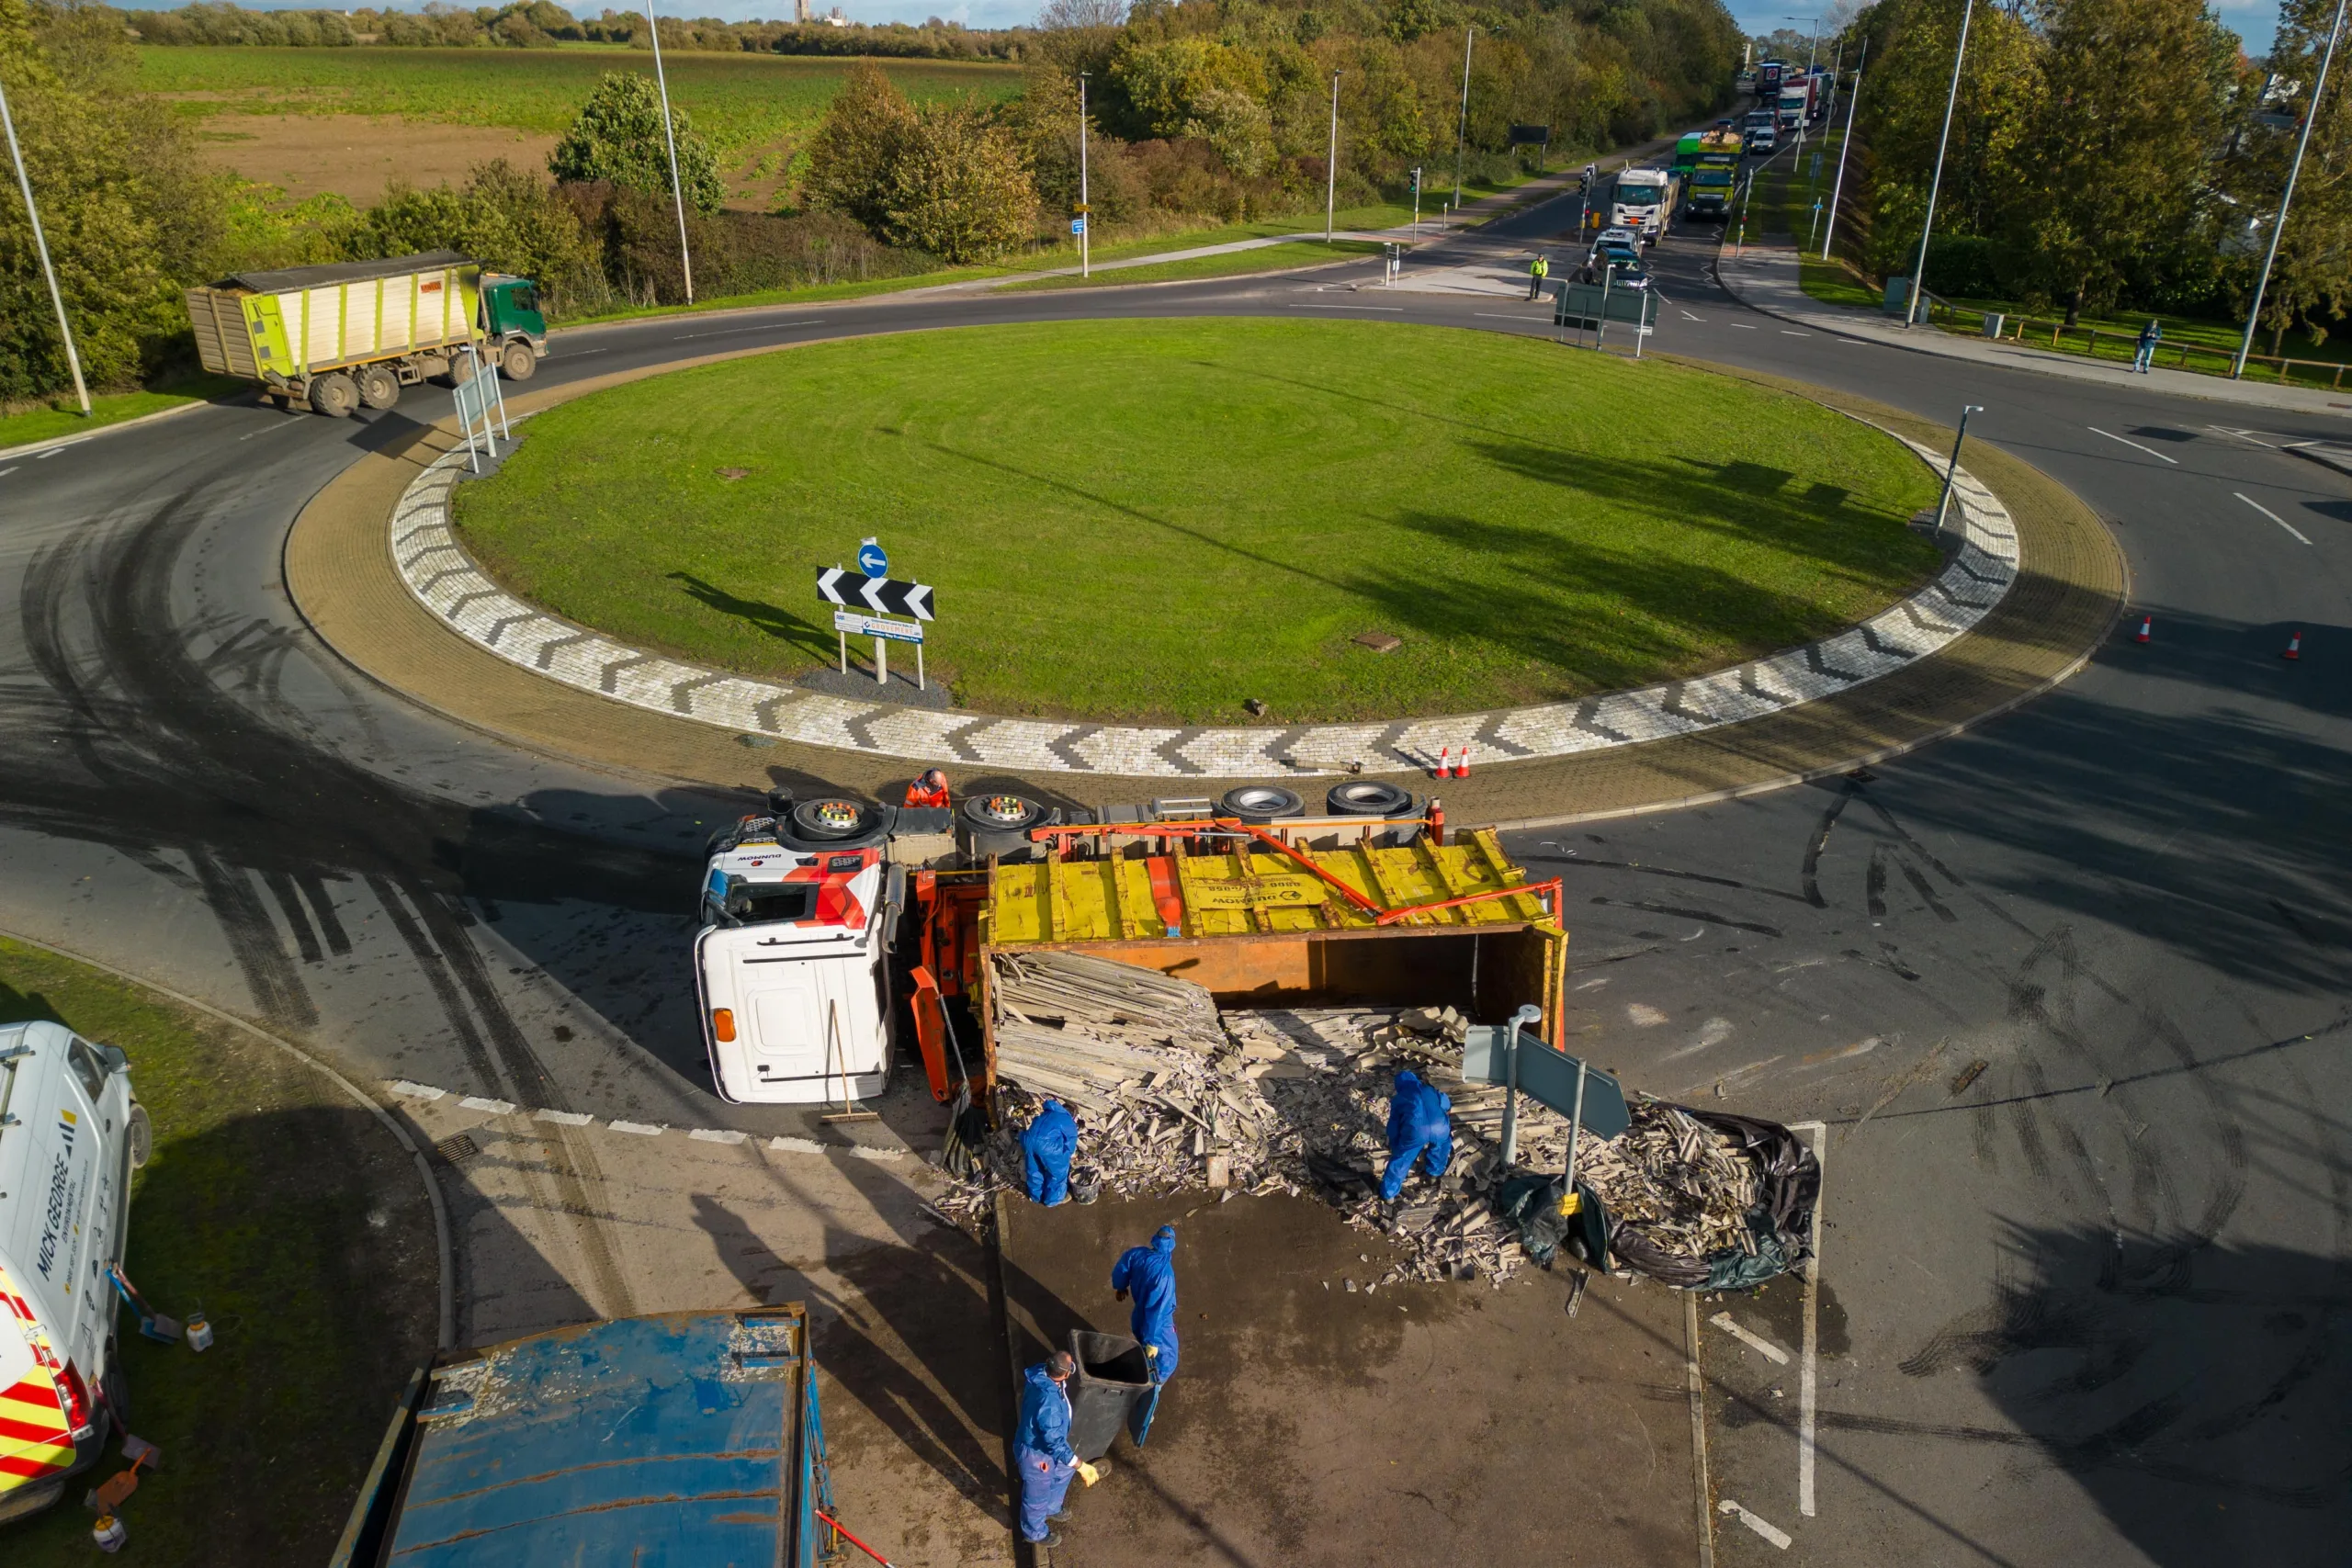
x=1290 y=913
x=350 y=335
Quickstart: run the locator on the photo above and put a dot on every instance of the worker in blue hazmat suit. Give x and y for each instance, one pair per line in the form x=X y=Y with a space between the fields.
x=1041 y=1449
x=1149 y=1274
x=1419 y=1130
x=1047 y=1147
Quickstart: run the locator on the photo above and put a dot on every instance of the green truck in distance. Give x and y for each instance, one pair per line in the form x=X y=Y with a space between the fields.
x=353 y=334
x=1715 y=172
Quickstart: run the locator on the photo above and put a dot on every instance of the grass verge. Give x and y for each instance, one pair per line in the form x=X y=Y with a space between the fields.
x=1157 y=520
x=55 y=423
x=1232 y=264
x=301 y=1228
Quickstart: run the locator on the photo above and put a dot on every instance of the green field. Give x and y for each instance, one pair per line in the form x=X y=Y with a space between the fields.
x=739 y=101
x=1159 y=520
x=289 y=1217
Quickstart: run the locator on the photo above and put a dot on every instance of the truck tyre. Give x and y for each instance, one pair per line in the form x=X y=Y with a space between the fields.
x=998 y=812
x=333 y=395
x=1367 y=798
x=378 y=388
x=517 y=360
x=461 y=370
x=1261 y=802
x=829 y=817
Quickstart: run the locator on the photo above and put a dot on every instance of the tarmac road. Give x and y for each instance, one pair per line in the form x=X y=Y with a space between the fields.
x=2084 y=1306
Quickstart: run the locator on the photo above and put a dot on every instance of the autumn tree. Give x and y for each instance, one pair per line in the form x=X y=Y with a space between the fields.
x=852 y=157
x=958 y=187
x=619 y=137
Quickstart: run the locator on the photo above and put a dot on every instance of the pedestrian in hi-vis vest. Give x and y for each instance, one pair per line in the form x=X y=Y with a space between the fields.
x=1537 y=271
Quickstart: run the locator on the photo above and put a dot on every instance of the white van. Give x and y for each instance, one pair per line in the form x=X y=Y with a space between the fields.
x=71 y=1133
x=791 y=961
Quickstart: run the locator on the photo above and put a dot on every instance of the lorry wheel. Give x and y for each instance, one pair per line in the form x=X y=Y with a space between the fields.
x=1261 y=802
x=333 y=395
x=1367 y=798
x=378 y=388
x=998 y=812
x=461 y=370
x=825 y=819
x=517 y=360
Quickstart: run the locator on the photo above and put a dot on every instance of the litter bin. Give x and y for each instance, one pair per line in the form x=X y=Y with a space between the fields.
x=1112 y=1389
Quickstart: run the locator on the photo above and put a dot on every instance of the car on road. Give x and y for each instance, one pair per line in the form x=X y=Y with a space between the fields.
x=1627 y=261
x=1763 y=134
x=71 y=1133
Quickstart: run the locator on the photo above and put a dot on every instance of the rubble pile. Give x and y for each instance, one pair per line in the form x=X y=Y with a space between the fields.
x=1169 y=1093
x=1688 y=1187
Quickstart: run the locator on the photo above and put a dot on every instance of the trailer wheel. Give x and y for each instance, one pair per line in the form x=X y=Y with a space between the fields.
x=517 y=360
x=1367 y=798
x=461 y=369
x=378 y=388
x=333 y=395
x=1261 y=802
x=1000 y=813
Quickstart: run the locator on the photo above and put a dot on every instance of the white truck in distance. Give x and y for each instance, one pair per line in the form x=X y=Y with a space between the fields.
x=1640 y=199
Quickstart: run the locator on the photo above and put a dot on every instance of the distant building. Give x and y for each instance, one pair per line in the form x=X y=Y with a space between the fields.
x=803 y=11
x=833 y=18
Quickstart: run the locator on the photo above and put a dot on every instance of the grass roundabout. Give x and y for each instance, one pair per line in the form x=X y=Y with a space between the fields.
x=1160 y=520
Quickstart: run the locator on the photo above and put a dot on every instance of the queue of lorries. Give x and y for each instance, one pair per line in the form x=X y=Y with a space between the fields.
x=1702 y=179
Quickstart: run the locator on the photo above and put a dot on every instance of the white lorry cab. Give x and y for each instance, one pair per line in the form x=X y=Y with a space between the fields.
x=71 y=1133
x=1641 y=200
x=799 y=910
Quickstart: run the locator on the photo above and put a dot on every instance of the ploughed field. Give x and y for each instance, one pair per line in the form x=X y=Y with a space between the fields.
x=1162 y=521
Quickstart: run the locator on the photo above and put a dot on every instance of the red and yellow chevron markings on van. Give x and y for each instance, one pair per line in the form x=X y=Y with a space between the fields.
x=35 y=1441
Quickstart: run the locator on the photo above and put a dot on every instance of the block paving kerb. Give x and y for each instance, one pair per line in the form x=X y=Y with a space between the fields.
x=453 y=588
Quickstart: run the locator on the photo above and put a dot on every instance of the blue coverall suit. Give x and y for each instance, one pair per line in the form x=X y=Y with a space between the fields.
x=1046 y=1145
x=1149 y=1274
x=1417 y=1129
x=1041 y=1451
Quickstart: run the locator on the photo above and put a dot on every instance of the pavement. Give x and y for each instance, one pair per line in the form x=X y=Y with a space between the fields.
x=1765 y=278
x=1311 y=1425
x=2078 y=1305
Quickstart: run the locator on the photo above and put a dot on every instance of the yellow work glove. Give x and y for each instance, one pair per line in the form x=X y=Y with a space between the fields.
x=1571 y=1205
x=1087 y=1473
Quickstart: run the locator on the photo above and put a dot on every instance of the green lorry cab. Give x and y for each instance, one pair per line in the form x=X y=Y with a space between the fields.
x=351 y=334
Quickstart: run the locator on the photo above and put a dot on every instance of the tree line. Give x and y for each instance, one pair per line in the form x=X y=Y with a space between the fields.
x=541 y=24
x=2104 y=155
x=1214 y=110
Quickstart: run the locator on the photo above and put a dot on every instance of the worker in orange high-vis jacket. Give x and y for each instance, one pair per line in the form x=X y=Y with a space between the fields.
x=928 y=789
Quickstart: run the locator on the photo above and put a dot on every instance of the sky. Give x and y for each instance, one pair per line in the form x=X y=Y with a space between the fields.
x=2253 y=20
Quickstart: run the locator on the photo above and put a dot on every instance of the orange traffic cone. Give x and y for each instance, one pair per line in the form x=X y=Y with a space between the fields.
x=2145 y=622
x=1462 y=767
x=1442 y=771
x=2294 y=647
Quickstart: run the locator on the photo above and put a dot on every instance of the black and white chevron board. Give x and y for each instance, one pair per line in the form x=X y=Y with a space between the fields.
x=882 y=595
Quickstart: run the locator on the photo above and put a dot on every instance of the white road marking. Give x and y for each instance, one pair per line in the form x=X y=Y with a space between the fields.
x=41 y=456
x=1743 y=326
x=1791 y=332
x=270 y=429
x=731 y=332
x=1771 y=1532
x=1809 y=1366
x=642 y=1129
x=1687 y=315
x=2272 y=516
x=1399 y=308
x=2245 y=435
x=5 y=472
x=563 y=1117
x=479 y=1102
x=2151 y=451
x=583 y=353
x=1755 y=1342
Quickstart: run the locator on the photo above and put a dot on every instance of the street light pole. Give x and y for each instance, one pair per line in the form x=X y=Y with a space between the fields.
x=1332 y=163
x=1085 y=211
x=1461 y=131
x=1936 y=185
x=677 y=189
x=2278 y=225
x=64 y=327
x=1953 y=468
x=1853 y=106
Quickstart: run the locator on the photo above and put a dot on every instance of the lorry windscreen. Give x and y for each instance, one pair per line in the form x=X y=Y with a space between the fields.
x=759 y=903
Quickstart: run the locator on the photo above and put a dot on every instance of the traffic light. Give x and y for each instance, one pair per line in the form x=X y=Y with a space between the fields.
x=1417 y=181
